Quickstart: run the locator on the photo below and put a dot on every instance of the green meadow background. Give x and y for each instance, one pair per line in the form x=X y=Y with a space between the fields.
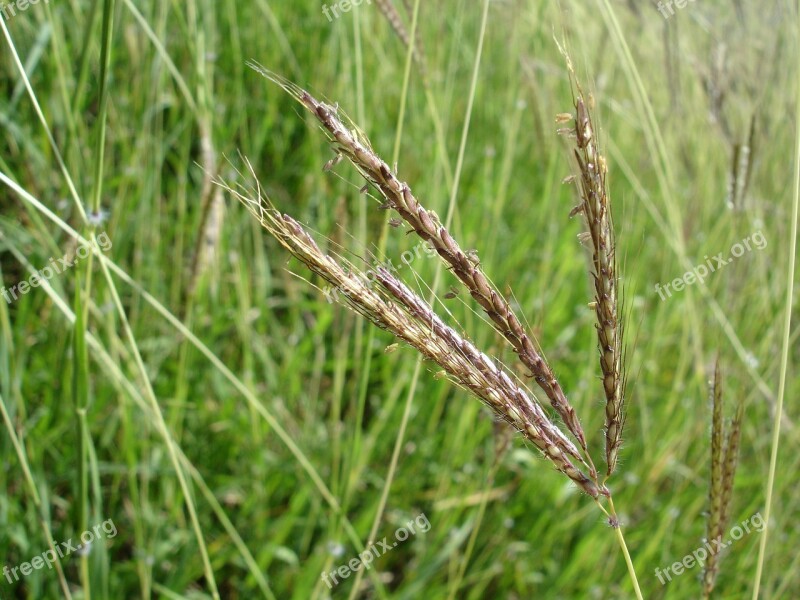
x=196 y=388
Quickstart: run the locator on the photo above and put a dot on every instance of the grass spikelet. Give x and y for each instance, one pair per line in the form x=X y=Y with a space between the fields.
x=354 y=146
x=595 y=206
x=724 y=459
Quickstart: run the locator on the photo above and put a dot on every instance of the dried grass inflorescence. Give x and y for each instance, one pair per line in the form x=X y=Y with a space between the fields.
x=724 y=458
x=595 y=206
x=399 y=310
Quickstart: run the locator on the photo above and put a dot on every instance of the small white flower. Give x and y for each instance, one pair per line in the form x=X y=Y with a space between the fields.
x=335 y=549
x=97 y=218
x=83 y=549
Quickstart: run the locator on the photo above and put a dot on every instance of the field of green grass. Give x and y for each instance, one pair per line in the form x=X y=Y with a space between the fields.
x=188 y=396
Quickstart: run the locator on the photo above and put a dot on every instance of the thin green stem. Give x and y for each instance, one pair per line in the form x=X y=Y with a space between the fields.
x=787 y=329
x=617 y=526
x=105 y=360
x=398 y=446
x=382 y=243
x=34 y=494
x=371 y=334
x=382 y=247
x=473 y=538
x=628 y=561
x=107 y=264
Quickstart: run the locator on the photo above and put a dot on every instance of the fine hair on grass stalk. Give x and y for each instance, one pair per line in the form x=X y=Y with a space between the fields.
x=397 y=309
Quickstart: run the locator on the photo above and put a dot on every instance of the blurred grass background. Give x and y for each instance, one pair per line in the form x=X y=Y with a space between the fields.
x=273 y=516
